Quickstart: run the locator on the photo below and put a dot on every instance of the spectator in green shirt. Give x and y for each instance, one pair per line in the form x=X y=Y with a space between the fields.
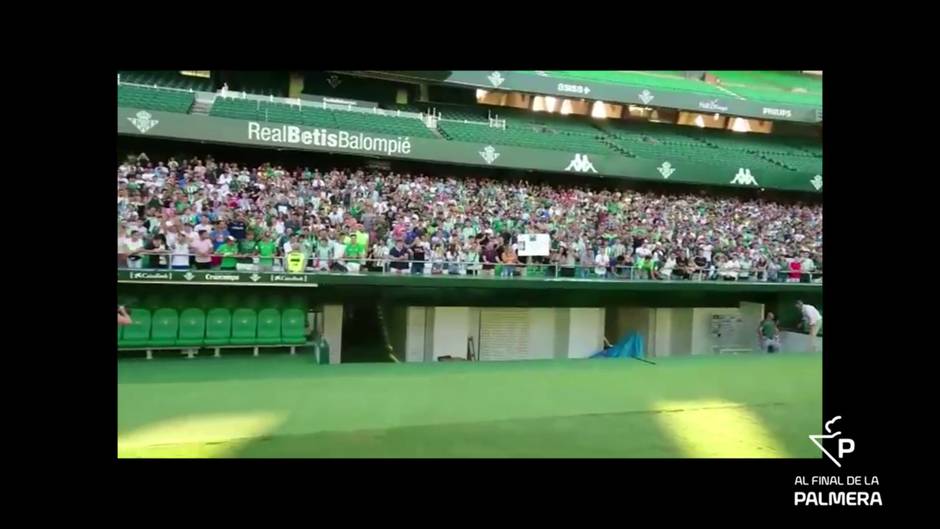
x=248 y=248
x=769 y=334
x=267 y=249
x=228 y=251
x=354 y=253
x=468 y=232
x=362 y=237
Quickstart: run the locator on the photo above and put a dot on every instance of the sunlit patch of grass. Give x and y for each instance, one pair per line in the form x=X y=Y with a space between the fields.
x=716 y=428
x=215 y=435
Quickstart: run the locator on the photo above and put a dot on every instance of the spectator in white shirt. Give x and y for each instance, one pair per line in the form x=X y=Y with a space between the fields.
x=729 y=270
x=181 y=254
x=122 y=247
x=806 y=268
x=134 y=244
x=707 y=251
x=666 y=271
x=601 y=261
x=171 y=234
x=744 y=268
x=812 y=319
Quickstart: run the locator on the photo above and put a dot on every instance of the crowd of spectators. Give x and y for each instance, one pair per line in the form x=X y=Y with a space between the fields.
x=205 y=214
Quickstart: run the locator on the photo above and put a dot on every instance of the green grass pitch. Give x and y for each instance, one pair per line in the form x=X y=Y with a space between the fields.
x=703 y=406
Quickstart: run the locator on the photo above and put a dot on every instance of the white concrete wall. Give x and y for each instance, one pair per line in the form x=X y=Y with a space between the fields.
x=753 y=314
x=333 y=330
x=701 y=327
x=432 y=332
x=429 y=334
x=414 y=334
x=585 y=331
x=542 y=333
x=451 y=329
x=661 y=345
x=795 y=342
x=562 y=332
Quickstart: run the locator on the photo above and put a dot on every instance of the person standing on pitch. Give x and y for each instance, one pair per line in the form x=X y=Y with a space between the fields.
x=769 y=334
x=812 y=319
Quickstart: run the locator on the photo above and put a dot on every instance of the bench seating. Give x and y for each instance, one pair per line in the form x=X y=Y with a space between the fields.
x=193 y=329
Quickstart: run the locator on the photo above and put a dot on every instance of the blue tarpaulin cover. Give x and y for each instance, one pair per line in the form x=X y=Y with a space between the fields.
x=631 y=345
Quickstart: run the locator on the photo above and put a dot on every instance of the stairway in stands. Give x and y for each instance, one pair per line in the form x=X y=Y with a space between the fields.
x=201 y=107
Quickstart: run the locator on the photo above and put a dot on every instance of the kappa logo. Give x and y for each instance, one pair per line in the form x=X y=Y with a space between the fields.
x=846 y=446
x=666 y=169
x=189 y=276
x=489 y=154
x=143 y=121
x=496 y=79
x=646 y=96
x=817 y=182
x=334 y=81
x=744 y=177
x=581 y=164
x=255 y=277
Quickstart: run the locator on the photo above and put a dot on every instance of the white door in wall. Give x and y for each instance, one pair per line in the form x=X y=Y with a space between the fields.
x=504 y=334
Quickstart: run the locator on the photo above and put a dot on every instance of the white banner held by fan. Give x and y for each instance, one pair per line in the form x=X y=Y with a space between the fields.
x=533 y=244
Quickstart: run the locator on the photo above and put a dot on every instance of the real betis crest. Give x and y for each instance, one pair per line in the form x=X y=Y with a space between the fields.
x=143 y=121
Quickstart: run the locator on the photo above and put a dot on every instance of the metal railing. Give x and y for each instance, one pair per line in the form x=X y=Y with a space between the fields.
x=435 y=267
x=156 y=87
x=300 y=103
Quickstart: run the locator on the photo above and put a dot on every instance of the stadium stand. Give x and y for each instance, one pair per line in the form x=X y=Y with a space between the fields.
x=167 y=79
x=769 y=86
x=773 y=86
x=309 y=115
x=660 y=234
x=470 y=123
x=523 y=136
x=155 y=98
x=655 y=80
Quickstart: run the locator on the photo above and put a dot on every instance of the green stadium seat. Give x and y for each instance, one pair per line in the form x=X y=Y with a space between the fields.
x=244 y=327
x=218 y=327
x=165 y=328
x=167 y=78
x=136 y=334
x=192 y=331
x=293 y=326
x=269 y=327
x=149 y=98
